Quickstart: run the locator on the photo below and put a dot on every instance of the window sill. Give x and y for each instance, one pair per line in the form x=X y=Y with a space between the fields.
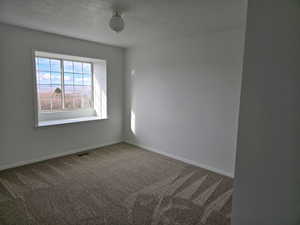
x=67 y=121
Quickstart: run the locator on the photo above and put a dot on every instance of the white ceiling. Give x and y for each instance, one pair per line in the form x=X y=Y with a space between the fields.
x=146 y=20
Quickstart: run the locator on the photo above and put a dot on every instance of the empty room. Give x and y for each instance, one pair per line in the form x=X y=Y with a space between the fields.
x=158 y=112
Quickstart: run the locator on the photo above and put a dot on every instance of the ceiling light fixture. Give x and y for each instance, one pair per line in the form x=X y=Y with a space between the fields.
x=116 y=23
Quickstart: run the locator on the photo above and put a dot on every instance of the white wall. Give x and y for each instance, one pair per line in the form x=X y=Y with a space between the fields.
x=184 y=94
x=267 y=182
x=19 y=141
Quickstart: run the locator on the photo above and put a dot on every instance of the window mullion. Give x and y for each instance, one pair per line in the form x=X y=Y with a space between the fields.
x=62 y=72
x=51 y=97
x=81 y=88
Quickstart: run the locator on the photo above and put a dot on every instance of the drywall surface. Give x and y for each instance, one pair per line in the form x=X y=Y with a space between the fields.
x=267 y=182
x=19 y=140
x=182 y=97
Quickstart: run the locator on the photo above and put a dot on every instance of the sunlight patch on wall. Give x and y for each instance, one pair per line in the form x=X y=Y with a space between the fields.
x=132 y=122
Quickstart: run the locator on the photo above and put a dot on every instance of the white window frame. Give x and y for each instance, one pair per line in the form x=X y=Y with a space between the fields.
x=99 y=110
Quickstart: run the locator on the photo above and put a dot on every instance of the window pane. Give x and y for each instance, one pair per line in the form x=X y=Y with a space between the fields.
x=55 y=65
x=68 y=78
x=77 y=97
x=56 y=97
x=77 y=90
x=87 y=68
x=68 y=89
x=44 y=91
x=69 y=103
x=77 y=103
x=55 y=78
x=45 y=104
x=77 y=67
x=56 y=90
x=68 y=66
x=36 y=63
x=44 y=94
x=78 y=79
x=69 y=97
x=44 y=64
x=87 y=79
x=44 y=77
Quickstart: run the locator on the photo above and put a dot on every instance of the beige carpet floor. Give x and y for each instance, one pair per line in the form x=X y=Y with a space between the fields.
x=116 y=185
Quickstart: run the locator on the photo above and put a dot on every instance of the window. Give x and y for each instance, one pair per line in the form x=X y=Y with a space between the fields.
x=63 y=85
x=66 y=89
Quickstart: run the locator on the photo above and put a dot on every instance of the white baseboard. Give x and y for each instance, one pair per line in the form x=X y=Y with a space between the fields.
x=188 y=161
x=51 y=156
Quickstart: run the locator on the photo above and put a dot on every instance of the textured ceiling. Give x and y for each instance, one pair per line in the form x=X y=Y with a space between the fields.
x=146 y=20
